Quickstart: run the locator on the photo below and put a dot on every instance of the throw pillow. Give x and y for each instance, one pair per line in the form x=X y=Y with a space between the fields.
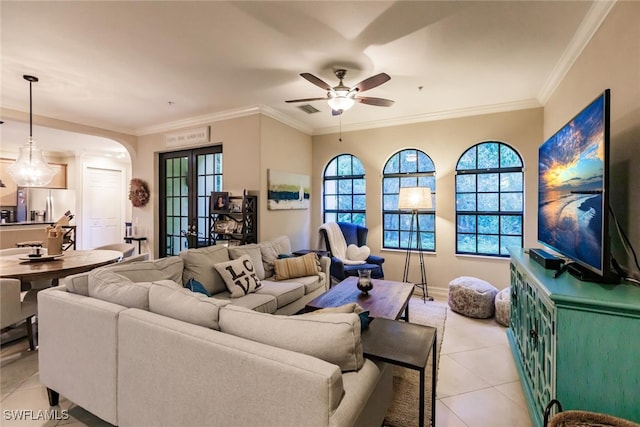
x=270 y=251
x=332 y=337
x=194 y=286
x=364 y=320
x=198 y=263
x=254 y=253
x=239 y=276
x=290 y=268
x=355 y=253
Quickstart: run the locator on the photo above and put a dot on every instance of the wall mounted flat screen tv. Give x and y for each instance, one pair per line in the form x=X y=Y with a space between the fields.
x=573 y=184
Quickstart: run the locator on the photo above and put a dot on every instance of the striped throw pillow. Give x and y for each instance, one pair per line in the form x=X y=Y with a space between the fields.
x=290 y=268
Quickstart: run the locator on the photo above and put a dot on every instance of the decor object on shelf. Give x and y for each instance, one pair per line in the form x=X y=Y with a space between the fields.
x=219 y=201
x=138 y=193
x=472 y=297
x=31 y=169
x=503 y=306
x=288 y=190
x=415 y=199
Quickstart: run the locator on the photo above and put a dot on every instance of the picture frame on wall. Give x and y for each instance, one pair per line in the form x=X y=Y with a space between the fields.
x=219 y=201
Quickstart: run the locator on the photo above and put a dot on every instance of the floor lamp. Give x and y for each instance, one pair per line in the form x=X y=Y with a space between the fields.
x=415 y=199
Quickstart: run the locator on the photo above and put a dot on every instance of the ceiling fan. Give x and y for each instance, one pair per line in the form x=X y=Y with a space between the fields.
x=341 y=97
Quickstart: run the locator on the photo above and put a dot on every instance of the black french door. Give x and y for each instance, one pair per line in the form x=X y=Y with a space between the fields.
x=187 y=178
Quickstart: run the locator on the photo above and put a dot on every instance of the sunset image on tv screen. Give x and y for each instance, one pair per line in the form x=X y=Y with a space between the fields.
x=571 y=182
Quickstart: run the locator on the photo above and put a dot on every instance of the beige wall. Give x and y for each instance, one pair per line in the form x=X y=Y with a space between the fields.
x=241 y=165
x=611 y=60
x=444 y=141
x=284 y=149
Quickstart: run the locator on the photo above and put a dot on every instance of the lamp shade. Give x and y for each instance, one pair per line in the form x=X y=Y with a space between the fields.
x=341 y=103
x=414 y=198
x=31 y=169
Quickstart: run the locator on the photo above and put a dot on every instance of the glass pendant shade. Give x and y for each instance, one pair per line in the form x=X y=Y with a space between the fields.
x=341 y=101
x=31 y=169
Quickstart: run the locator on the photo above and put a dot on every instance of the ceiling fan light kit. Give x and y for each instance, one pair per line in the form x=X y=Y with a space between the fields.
x=30 y=168
x=341 y=98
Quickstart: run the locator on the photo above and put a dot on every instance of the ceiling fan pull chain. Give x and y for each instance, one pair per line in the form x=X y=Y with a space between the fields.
x=340 y=135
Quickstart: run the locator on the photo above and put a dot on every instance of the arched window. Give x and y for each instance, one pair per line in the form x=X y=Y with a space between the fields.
x=344 y=190
x=407 y=168
x=489 y=200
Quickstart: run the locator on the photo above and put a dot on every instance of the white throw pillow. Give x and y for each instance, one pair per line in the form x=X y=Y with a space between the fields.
x=239 y=275
x=332 y=337
x=355 y=253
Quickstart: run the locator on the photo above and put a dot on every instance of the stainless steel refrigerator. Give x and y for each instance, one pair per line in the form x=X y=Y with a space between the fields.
x=44 y=204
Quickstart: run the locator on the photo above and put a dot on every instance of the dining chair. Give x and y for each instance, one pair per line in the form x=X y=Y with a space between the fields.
x=35 y=285
x=13 y=310
x=127 y=249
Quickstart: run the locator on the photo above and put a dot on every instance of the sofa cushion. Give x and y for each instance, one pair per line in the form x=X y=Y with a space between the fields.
x=198 y=263
x=239 y=276
x=271 y=249
x=182 y=304
x=262 y=303
x=284 y=292
x=311 y=283
x=253 y=251
x=332 y=337
x=290 y=268
x=169 y=268
x=108 y=285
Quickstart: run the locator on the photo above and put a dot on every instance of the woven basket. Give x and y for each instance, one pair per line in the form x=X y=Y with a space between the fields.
x=582 y=418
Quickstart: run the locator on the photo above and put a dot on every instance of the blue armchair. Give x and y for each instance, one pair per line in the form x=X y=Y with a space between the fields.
x=356 y=235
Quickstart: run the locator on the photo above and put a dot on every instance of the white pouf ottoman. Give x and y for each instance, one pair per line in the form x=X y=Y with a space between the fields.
x=472 y=297
x=503 y=306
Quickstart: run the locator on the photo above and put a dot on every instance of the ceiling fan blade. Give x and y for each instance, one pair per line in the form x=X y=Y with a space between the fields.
x=371 y=82
x=378 y=102
x=306 y=99
x=316 y=81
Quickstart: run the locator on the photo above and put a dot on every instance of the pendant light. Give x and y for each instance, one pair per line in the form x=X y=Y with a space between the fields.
x=31 y=169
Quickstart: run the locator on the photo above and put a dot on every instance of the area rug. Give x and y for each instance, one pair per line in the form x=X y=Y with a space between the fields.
x=403 y=411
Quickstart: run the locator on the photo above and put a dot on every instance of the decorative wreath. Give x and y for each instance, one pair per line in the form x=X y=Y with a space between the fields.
x=138 y=192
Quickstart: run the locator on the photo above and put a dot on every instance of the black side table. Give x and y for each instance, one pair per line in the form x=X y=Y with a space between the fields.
x=129 y=239
x=407 y=345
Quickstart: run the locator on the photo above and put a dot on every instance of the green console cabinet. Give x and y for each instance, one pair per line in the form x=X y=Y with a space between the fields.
x=578 y=342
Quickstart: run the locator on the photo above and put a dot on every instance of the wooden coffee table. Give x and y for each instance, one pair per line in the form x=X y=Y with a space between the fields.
x=387 y=299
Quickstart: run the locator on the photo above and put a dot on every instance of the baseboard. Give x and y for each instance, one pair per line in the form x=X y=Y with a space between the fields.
x=438 y=293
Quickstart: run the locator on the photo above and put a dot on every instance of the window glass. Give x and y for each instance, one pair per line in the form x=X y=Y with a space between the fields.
x=344 y=190
x=489 y=200
x=407 y=168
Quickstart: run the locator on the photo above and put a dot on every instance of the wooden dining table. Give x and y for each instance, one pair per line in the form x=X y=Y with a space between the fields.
x=71 y=262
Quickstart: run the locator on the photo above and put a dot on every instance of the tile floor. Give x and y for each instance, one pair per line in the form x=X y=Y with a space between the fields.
x=478 y=383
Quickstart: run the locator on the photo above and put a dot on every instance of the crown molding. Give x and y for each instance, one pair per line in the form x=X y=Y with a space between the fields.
x=588 y=27
x=429 y=117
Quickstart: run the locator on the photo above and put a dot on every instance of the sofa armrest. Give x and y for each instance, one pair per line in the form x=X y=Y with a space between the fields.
x=375 y=259
x=325 y=265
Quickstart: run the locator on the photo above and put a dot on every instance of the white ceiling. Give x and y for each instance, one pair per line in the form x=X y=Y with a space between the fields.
x=118 y=65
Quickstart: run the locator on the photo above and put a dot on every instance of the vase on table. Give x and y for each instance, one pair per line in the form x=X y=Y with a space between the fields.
x=364 y=281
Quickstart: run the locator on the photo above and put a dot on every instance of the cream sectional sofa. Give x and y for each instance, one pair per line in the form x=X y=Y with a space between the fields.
x=144 y=351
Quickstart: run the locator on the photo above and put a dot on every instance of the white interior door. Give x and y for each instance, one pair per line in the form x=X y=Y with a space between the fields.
x=103 y=199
